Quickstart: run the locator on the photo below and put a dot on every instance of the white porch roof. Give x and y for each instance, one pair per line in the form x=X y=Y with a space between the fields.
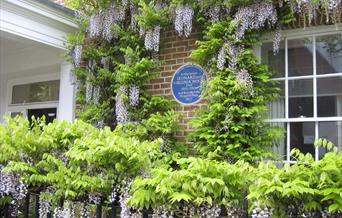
x=38 y=20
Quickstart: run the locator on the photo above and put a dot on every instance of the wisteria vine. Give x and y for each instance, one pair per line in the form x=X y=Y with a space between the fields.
x=104 y=23
x=103 y=28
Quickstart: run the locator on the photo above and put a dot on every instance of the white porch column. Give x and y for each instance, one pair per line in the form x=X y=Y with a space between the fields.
x=3 y=102
x=66 y=106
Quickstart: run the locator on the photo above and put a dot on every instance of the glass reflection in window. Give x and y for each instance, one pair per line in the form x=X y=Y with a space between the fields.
x=329 y=54
x=36 y=92
x=300 y=57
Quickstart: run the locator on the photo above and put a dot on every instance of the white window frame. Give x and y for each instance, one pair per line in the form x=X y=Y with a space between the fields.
x=24 y=107
x=298 y=34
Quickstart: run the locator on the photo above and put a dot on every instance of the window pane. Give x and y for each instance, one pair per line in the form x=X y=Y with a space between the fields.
x=277 y=107
x=36 y=92
x=329 y=97
x=281 y=148
x=331 y=131
x=301 y=98
x=329 y=54
x=276 y=62
x=302 y=137
x=300 y=57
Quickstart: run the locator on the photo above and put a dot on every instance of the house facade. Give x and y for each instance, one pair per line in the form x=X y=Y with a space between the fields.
x=35 y=79
x=308 y=68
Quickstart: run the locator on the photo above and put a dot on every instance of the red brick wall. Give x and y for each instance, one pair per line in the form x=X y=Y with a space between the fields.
x=175 y=52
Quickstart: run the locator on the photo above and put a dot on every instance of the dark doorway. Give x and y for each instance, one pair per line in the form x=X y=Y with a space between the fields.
x=49 y=113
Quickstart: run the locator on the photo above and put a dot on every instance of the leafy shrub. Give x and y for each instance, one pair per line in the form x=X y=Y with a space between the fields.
x=307 y=186
x=192 y=183
x=75 y=159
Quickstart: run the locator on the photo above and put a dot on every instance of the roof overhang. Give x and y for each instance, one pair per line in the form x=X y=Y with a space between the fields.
x=37 y=20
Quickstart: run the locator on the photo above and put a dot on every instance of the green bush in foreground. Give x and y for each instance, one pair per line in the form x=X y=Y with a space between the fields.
x=72 y=161
x=308 y=184
x=309 y=187
x=82 y=164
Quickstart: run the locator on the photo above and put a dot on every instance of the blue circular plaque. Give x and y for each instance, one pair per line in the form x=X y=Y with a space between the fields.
x=187 y=84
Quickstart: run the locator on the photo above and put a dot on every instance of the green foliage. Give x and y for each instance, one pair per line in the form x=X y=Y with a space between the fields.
x=160 y=125
x=308 y=184
x=75 y=159
x=89 y=4
x=137 y=72
x=233 y=127
x=157 y=119
x=22 y=141
x=150 y=17
x=193 y=182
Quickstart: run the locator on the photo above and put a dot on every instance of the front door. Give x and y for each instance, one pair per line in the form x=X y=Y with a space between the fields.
x=49 y=113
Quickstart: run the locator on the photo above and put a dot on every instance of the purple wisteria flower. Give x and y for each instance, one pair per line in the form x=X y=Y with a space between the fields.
x=134 y=95
x=77 y=55
x=183 y=20
x=120 y=106
x=254 y=16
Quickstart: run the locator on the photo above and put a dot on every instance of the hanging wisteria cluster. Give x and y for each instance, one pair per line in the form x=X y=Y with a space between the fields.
x=261 y=213
x=253 y=17
x=94 y=198
x=85 y=212
x=245 y=80
x=88 y=91
x=152 y=35
x=96 y=94
x=103 y=23
x=276 y=40
x=152 y=38
x=256 y=16
x=183 y=20
x=162 y=212
x=205 y=211
x=121 y=109
x=114 y=195
x=44 y=208
x=134 y=95
x=221 y=58
x=12 y=186
x=77 y=55
x=133 y=12
x=310 y=10
x=214 y=13
x=125 y=210
x=66 y=212
x=232 y=53
x=210 y=211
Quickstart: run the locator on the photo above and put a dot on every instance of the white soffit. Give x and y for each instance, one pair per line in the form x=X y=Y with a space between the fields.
x=36 y=21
